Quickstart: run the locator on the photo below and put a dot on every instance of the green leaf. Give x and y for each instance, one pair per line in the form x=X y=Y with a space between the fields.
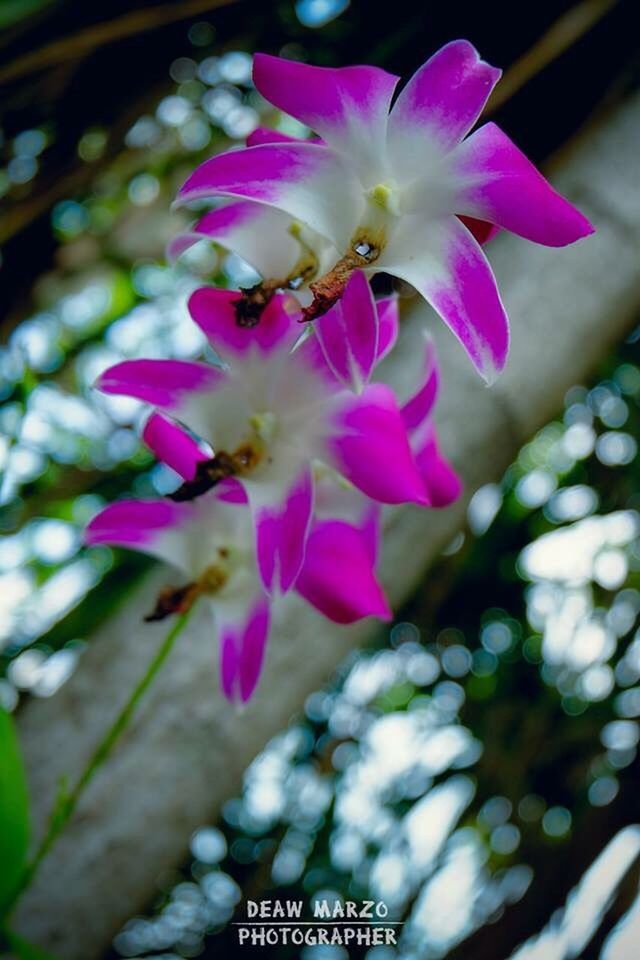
x=14 y=812
x=13 y=10
x=23 y=950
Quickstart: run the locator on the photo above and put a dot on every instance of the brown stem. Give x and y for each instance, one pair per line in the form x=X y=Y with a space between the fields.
x=180 y=599
x=328 y=289
x=254 y=301
x=173 y=600
x=211 y=472
x=208 y=474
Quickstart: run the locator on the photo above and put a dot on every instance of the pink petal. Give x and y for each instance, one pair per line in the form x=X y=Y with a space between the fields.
x=173 y=446
x=229 y=660
x=370 y=531
x=416 y=410
x=164 y=383
x=440 y=104
x=253 y=644
x=338 y=576
x=242 y=648
x=213 y=311
x=268 y=135
x=347 y=106
x=369 y=446
x=230 y=490
x=482 y=230
x=134 y=523
x=282 y=527
x=348 y=334
x=388 y=325
x=249 y=230
x=503 y=187
x=446 y=265
x=440 y=479
x=306 y=180
x=183 y=242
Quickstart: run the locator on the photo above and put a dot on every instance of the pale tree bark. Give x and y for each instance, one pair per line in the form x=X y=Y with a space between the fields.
x=187 y=749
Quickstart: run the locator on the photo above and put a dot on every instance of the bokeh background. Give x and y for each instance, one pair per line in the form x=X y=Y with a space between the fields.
x=476 y=767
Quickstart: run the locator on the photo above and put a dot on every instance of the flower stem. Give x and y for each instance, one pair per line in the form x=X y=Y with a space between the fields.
x=328 y=288
x=67 y=802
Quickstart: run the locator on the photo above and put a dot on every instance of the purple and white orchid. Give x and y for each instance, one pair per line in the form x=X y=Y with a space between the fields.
x=210 y=542
x=386 y=186
x=276 y=408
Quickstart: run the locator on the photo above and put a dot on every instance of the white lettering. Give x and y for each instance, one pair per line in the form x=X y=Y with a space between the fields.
x=366 y=913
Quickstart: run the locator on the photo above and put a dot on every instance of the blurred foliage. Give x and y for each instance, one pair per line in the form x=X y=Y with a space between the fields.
x=12 y=11
x=21 y=949
x=14 y=812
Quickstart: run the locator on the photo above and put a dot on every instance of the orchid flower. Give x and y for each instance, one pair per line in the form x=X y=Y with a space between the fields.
x=270 y=414
x=386 y=187
x=210 y=542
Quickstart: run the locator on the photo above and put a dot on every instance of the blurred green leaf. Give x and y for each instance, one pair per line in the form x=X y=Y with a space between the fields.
x=14 y=812
x=23 y=950
x=13 y=10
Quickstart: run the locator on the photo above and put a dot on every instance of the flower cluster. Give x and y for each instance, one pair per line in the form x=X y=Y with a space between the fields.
x=289 y=444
